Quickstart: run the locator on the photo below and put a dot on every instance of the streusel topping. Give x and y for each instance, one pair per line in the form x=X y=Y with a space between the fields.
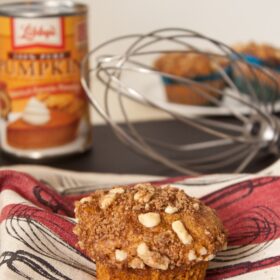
x=263 y=51
x=147 y=226
x=188 y=65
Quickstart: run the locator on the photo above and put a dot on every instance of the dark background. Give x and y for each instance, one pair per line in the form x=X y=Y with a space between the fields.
x=110 y=155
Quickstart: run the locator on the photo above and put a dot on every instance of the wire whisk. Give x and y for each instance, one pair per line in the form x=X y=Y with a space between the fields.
x=253 y=129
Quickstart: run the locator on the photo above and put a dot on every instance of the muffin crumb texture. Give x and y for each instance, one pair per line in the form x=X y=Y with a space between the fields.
x=188 y=64
x=144 y=227
x=266 y=52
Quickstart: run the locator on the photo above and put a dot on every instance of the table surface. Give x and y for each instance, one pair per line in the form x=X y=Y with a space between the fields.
x=110 y=155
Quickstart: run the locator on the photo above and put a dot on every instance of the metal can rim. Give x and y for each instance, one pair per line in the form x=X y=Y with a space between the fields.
x=36 y=9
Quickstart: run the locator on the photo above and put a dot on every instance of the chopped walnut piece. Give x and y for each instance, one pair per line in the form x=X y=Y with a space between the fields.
x=144 y=193
x=136 y=263
x=117 y=190
x=191 y=255
x=151 y=258
x=81 y=245
x=196 y=206
x=207 y=232
x=171 y=209
x=107 y=200
x=120 y=255
x=179 y=228
x=203 y=251
x=86 y=199
x=149 y=219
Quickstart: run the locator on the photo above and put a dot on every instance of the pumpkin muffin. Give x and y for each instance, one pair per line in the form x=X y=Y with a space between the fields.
x=197 y=67
x=258 y=55
x=148 y=232
x=267 y=54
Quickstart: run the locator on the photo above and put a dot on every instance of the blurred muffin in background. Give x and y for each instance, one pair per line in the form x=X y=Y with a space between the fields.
x=195 y=66
x=268 y=55
x=250 y=76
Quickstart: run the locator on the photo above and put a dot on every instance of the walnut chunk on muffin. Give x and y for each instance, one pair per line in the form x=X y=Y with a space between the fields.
x=148 y=232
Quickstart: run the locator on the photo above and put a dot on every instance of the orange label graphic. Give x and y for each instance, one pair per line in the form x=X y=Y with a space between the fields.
x=40 y=69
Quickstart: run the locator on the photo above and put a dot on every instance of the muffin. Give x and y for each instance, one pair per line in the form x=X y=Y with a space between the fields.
x=195 y=66
x=258 y=55
x=148 y=232
x=267 y=54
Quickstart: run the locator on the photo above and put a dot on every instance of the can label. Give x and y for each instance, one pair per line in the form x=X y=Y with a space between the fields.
x=43 y=106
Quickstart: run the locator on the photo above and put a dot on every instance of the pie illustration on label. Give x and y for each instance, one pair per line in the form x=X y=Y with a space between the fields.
x=39 y=127
x=59 y=130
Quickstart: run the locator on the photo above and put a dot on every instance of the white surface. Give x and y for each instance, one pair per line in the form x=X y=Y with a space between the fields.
x=231 y=21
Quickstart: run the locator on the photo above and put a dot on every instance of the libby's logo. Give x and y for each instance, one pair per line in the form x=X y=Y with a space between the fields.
x=48 y=32
x=31 y=33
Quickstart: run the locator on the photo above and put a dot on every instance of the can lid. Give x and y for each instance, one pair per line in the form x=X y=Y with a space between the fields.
x=49 y=8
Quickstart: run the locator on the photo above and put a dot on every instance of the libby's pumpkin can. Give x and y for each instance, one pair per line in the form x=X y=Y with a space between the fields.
x=44 y=110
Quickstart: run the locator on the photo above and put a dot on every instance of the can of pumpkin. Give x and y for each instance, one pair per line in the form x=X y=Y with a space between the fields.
x=44 y=110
